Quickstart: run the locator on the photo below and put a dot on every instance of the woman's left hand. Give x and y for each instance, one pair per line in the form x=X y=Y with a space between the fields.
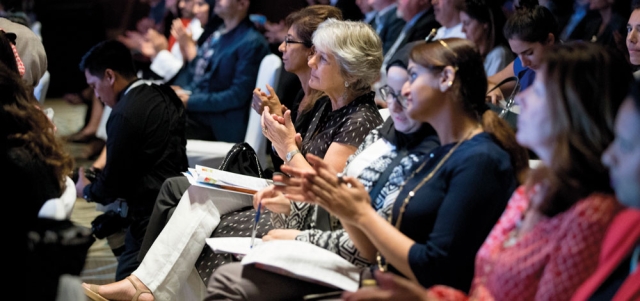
x=343 y=197
x=281 y=234
x=282 y=136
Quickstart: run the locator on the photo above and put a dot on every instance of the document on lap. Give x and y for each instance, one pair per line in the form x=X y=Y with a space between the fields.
x=304 y=261
x=233 y=245
x=215 y=178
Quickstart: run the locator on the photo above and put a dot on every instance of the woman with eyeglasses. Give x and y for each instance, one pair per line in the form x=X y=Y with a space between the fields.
x=446 y=206
x=386 y=157
x=547 y=241
x=342 y=118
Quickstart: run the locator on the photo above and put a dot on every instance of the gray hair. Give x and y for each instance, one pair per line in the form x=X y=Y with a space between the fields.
x=357 y=49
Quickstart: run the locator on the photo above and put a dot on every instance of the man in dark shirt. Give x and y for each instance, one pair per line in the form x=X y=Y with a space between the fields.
x=146 y=143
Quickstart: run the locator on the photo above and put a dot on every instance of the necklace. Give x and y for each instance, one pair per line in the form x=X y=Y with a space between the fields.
x=384 y=266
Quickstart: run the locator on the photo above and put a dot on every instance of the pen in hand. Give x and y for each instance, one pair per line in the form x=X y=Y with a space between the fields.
x=255 y=224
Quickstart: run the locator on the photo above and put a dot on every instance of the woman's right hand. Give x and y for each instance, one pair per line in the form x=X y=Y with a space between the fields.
x=282 y=136
x=272 y=200
x=261 y=100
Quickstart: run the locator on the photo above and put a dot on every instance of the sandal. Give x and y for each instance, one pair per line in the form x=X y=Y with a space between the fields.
x=92 y=292
x=138 y=291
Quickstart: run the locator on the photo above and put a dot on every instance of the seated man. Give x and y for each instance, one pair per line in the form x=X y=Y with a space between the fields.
x=146 y=144
x=222 y=75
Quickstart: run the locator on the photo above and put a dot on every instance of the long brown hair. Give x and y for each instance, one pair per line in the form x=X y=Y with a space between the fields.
x=586 y=84
x=470 y=86
x=24 y=125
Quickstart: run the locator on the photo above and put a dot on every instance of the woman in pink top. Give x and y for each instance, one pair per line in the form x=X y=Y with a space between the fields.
x=548 y=239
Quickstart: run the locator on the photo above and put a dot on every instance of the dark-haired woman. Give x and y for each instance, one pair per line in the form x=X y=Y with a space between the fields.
x=443 y=211
x=482 y=22
x=531 y=31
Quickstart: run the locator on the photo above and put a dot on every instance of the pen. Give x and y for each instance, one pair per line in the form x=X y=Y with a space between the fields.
x=255 y=224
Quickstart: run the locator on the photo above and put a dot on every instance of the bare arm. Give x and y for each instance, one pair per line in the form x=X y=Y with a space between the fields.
x=505 y=89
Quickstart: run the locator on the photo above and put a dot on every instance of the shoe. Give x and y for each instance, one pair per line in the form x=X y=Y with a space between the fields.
x=92 y=293
x=79 y=137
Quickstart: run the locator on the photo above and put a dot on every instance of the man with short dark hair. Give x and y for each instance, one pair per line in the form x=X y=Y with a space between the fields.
x=146 y=143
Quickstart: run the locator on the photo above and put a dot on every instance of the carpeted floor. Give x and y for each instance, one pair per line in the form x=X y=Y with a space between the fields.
x=100 y=264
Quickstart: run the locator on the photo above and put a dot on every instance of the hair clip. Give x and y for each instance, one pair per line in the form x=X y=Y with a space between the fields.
x=431 y=35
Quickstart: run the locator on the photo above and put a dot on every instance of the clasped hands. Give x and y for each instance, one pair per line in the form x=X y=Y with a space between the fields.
x=280 y=131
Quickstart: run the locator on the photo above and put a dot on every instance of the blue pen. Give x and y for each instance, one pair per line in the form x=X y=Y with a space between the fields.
x=255 y=224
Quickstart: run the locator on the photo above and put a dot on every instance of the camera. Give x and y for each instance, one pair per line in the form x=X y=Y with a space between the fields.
x=111 y=221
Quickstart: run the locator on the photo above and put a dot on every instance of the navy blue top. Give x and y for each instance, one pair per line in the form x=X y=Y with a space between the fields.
x=451 y=215
x=525 y=74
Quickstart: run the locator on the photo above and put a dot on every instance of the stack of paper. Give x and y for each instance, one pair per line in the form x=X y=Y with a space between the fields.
x=211 y=177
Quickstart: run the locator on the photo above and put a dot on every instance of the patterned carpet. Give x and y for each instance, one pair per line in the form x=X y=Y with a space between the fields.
x=100 y=264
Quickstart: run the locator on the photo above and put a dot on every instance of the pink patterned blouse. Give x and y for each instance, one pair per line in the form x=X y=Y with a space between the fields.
x=547 y=263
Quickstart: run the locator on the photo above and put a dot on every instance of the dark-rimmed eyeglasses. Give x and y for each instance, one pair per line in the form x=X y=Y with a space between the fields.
x=288 y=41
x=389 y=96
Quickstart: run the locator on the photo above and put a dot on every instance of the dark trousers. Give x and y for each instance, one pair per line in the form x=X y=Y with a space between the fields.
x=128 y=260
x=170 y=194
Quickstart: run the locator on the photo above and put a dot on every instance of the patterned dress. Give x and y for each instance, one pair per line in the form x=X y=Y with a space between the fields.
x=547 y=263
x=348 y=125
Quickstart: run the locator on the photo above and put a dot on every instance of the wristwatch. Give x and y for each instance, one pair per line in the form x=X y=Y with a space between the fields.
x=291 y=154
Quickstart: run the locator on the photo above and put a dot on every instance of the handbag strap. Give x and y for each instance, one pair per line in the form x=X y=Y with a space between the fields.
x=382 y=180
x=511 y=99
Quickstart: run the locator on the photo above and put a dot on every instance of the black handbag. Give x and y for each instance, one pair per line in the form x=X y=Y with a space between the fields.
x=242 y=159
x=506 y=113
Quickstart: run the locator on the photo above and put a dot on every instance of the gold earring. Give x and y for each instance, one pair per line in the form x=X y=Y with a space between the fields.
x=450 y=83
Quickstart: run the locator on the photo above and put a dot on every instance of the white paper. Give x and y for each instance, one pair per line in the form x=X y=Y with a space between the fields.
x=230 y=178
x=234 y=245
x=305 y=261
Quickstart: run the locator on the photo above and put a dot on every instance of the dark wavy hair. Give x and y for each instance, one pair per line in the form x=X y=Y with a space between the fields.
x=586 y=84
x=470 y=84
x=27 y=133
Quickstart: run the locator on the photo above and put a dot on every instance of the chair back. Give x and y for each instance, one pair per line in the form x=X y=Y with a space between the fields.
x=268 y=73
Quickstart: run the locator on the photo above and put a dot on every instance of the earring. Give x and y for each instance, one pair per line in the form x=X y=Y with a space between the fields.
x=346 y=84
x=450 y=83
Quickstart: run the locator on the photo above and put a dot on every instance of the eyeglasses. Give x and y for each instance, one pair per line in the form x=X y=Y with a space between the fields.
x=288 y=41
x=388 y=95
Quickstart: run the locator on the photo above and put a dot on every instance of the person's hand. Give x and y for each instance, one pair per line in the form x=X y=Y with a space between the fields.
x=344 y=197
x=275 y=32
x=292 y=186
x=494 y=96
x=146 y=48
x=281 y=135
x=262 y=99
x=131 y=39
x=157 y=40
x=272 y=200
x=281 y=234
x=182 y=94
x=81 y=183
x=180 y=32
x=390 y=287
